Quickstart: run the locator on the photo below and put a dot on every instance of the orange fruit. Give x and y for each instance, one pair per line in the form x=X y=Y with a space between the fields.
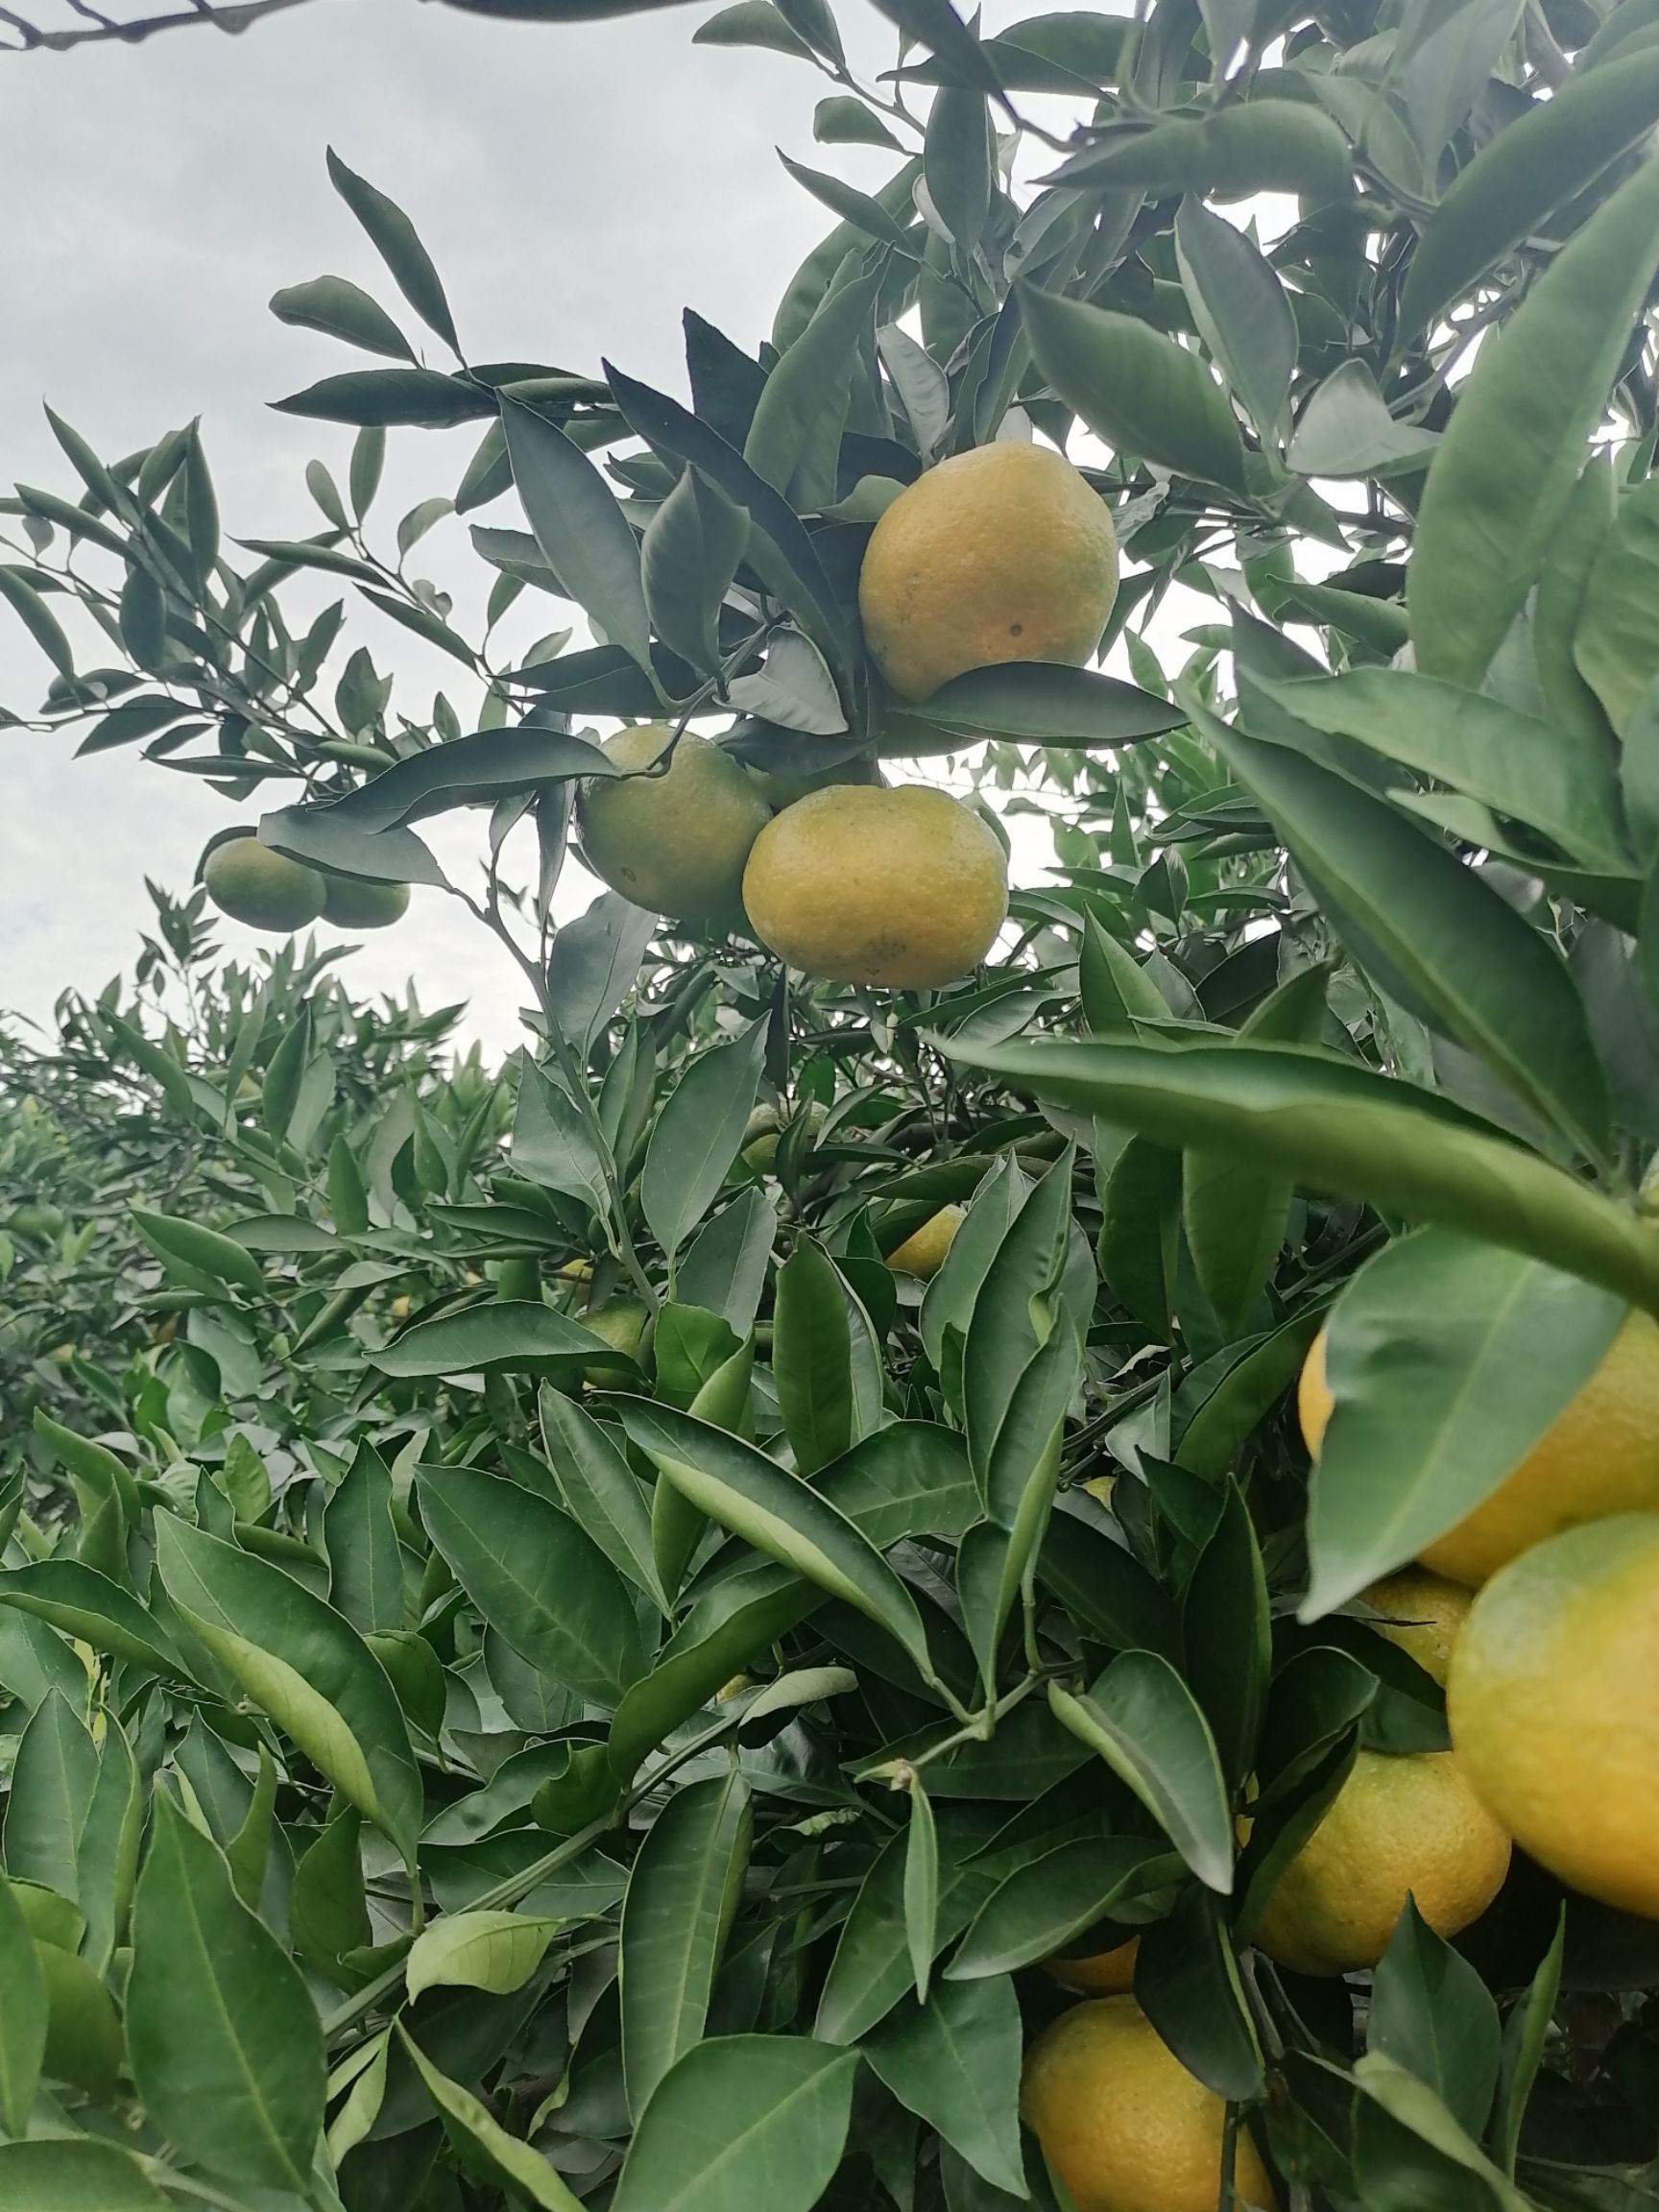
x=1101 y=1974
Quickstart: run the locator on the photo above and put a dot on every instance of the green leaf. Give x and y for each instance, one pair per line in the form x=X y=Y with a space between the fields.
x=750 y=23
x=594 y=962
x=493 y=1951
x=1228 y=1635
x=1137 y=390
x=1615 y=644
x=393 y=238
x=956 y=2062
x=1230 y=153
x=697 y=1136
x=342 y=309
x=1521 y=175
x=224 y=2043
x=1558 y=606
x=553 y=1144
x=510 y=1333
x=795 y=438
x=328 y=1908
x=1034 y=701
x=38 y=619
x=676 y=1917
x=190 y=1245
x=582 y=531
x=1415 y=2108
x=322 y=836
x=34 y=1661
x=1526 y=2034
x=1509 y=459
x=1144 y=1723
x=1013 y=1316
x=22 y=2017
x=365 y=1561
x=54 y=1776
x=812 y=1357
x=838 y=121
x=1187 y=1981
x=82 y=1602
x=1045 y=1905
x=1338 y=1127
x=741 y=2120
x=466 y=772
x=746 y=1492
x=958 y=165
x=600 y=1490
x=1478 y=746
x=920 y=1887
x=536 y=1578
x=1476 y=1351
x=689 y=554
x=1141 y=1233
x=725 y=1270
x=483 y=2143
x=1242 y=313
x=1432 y=934
x=1430 y=2011
x=303 y=1664
x=75 y=2173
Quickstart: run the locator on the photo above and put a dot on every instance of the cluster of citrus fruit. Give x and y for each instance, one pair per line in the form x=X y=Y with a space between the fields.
x=1538 y=1613
x=264 y=889
x=998 y=555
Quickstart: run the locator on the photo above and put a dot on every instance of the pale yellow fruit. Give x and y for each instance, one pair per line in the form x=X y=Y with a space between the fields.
x=1422 y=1613
x=1123 y=2123
x=1101 y=1974
x=674 y=843
x=923 y=1252
x=1599 y=1456
x=622 y=1325
x=905 y=889
x=1000 y=554
x=354 y=902
x=1398 y=1828
x=1554 y=1706
x=261 y=888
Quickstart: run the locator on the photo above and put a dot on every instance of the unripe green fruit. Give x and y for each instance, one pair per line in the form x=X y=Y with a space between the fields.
x=352 y=903
x=622 y=1324
x=675 y=843
x=261 y=888
x=518 y=1279
x=35 y=1217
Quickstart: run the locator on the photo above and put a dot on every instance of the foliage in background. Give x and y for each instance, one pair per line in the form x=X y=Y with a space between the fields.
x=551 y=1763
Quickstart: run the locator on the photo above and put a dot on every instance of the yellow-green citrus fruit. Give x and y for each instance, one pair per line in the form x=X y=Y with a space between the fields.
x=674 y=843
x=1101 y=1974
x=620 y=1324
x=401 y=1306
x=1123 y=2123
x=762 y=1131
x=261 y=888
x=1599 y=1456
x=1422 y=1613
x=1397 y=1828
x=1002 y=554
x=782 y=791
x=35 y=1217
x=923 y=1252
x=1554 y=1706
x=354 y=902
x=518 y=1278
x=906 y=889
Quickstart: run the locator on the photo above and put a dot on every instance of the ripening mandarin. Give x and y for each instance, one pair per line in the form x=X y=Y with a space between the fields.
x=1002 y=554
x=261 y=888
x=676 y=843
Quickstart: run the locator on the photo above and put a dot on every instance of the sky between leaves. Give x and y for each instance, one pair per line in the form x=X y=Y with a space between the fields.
x=577 y=186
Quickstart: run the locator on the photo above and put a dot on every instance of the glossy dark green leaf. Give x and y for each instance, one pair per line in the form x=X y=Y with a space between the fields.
x=1432 y=934
x=22 y=2017
x=697 y=1136
x=1014 y=1312
x=690 y=555
x=554 y=1143
x=1526 y=2035
x=956 y=2062
x=224 y=2043
x=393 y=238
x=958 y=165
x=193 y=1246
x=1227 y=1634
x=1106 y=1589
x=595 y=961
x=812 y=1357
x=80 y=1603
x=1477 y=1351
x=741 y=2120
x=510 y=1332
x=600 y=1490
x=580 y=528
x=1034 y=701
x=1144 y=1723
x=1230 y=153
x=38 y=619
x=53 y=1780
x=1409 y=2152
x=536 y=1578
x=483 y=2143
x=1338 y=1127
x=365 y=1561
x=302 y=1663
x=725 y=1270
x=681 y=1896
x=77 y=2174
x=873 y=1968
x=1139 y=1235
x=1045 y=1905
x=794 y=441
x=1241 y=312
x=342 y=309
x=1135 y=387
x=841 y=121
x=1515 y=445
x=328 y=1909
x=374 y=398
x=1558 y=603
x=1188 y=1983
x=1432 y=2012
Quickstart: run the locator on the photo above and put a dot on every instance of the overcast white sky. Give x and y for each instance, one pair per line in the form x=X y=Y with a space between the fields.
x=577 y=186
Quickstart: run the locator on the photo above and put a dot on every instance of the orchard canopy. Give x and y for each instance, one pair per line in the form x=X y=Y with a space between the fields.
x=960 y=1543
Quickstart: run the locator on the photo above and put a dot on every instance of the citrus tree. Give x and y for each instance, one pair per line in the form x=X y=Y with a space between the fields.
x=741 y=1616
